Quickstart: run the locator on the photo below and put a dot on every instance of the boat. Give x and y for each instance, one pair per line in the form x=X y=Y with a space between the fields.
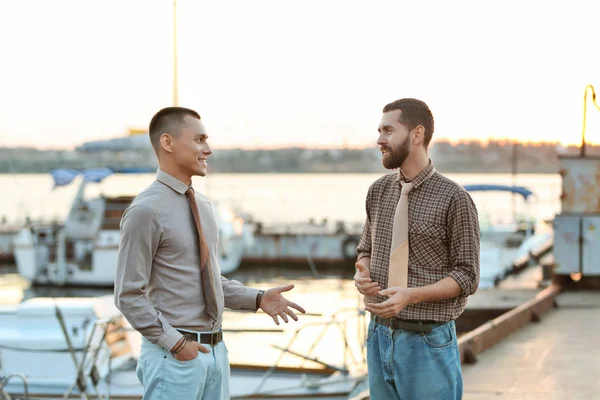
x=83 y=250
x=310 y=243
x=74 y=347
x=502 y=244
x=7 y=233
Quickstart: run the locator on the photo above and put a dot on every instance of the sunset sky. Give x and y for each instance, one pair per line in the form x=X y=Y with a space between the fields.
x=313 y=73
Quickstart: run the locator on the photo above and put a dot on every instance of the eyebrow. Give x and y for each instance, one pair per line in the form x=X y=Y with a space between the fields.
x=385 y=127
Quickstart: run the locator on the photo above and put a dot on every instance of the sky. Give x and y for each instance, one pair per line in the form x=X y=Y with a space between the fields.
x=310 y=73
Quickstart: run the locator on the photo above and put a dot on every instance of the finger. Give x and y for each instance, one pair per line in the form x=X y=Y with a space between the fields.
x=297 y=307
x=374 y=312
x=275 y=319
x=285 y=288
x=203 y=349
x=387 y=311
x=361 y=267
x=362 y=280
x=369 y=286
x=389 y=291
x=370 y=292
x=377 y=306
x=291 y=314
x=284 y=317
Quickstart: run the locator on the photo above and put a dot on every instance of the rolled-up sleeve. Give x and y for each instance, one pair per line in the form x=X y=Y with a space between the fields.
x=238 y=296
x=140 y=237
x=463 y=228
x=364 y=245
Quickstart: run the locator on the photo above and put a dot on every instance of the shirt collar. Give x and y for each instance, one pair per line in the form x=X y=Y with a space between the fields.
x=421 y=177
x=171 y=182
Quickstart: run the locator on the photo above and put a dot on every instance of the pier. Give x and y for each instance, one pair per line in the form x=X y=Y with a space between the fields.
x=554 y=358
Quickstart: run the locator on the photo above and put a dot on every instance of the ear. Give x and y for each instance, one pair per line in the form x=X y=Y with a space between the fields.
x=166 y=142
x=418 y=135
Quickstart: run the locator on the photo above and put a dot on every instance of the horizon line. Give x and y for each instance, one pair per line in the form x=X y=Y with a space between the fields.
x=314 y=146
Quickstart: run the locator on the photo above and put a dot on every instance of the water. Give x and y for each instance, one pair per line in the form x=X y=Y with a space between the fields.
x=269 y=197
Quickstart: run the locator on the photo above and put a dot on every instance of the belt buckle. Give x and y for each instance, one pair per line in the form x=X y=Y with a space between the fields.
x=213 y=339
x=393 y=323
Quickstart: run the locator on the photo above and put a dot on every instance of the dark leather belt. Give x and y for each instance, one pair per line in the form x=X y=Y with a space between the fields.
x=407 y=325
x=204 y=338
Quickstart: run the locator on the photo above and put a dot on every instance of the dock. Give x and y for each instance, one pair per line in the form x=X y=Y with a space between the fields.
x=546 y=348
x=555 y=358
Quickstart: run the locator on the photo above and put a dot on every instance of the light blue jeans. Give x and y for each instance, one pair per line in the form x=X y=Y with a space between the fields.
x=165 y=378
x=413 y=366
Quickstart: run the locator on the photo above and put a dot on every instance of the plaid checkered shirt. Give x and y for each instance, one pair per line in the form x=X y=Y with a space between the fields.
x=443 y=239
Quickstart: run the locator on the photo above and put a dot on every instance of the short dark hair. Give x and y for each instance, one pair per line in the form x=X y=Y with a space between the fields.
x=169 y=120
x=414 y=113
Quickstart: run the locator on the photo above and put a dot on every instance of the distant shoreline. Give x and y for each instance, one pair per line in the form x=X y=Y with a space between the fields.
x=493 y=157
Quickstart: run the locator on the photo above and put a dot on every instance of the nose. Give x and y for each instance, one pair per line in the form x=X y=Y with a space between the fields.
x=381 y=140
x=207 y=150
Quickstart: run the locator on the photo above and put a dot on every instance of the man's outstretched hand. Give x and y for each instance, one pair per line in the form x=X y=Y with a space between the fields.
x=274 y=304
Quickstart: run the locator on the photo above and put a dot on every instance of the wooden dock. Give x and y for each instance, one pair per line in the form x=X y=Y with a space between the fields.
x=545 y=348
x=556 y=358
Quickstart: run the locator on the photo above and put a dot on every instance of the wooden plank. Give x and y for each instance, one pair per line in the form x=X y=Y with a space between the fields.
x=499 y=328
x=540 y=251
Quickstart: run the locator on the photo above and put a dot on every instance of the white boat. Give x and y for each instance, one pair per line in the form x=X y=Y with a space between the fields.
x=7 y=234
x=324 y=243
x=503 y=244
x=55 y=347
x=83 y=251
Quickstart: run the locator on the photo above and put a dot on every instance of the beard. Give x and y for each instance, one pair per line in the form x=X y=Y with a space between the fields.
x=396 y=157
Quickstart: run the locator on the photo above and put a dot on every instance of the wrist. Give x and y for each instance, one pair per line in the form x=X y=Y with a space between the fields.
x=414 y=296
x=179 y=346
x=259 y=297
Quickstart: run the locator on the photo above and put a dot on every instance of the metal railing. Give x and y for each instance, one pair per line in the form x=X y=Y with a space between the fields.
x=336 y=321
x=4 y=381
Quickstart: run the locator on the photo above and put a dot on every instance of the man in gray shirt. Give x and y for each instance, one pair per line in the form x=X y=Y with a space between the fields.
x=168 y=283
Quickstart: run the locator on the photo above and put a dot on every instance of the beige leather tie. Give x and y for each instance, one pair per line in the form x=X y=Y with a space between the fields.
x=206 y=271
x=398 y=271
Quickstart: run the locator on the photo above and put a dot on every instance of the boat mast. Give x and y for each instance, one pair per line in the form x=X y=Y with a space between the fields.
x=175 y=82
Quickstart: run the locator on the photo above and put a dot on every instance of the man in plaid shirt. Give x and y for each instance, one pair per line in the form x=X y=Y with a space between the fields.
x=412 y=350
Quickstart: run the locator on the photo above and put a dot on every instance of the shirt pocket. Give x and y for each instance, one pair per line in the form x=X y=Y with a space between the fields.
x=428 y=243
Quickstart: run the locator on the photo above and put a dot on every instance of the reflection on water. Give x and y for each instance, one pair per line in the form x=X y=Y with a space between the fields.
x=253 y=338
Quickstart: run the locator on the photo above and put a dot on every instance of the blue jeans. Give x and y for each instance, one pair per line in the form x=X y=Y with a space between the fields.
x=165 y=378
x=413 y=366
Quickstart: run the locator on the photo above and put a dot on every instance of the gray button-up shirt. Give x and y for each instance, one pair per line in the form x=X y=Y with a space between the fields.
x=158 y=283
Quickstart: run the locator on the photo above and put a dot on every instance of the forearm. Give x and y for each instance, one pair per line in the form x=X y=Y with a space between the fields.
x=363 y=250
x=446 y=288
x=364 y=245
x=144 y=318
x=238 y=296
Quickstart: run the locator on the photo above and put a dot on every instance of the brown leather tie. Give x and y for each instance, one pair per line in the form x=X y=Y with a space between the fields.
x=206 y=271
